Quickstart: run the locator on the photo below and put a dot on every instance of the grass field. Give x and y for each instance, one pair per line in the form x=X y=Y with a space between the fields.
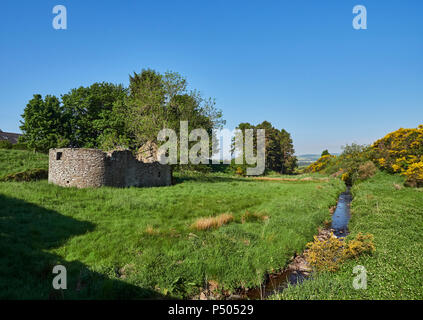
x=12 y=161
x=395 y=271
x=140 y=242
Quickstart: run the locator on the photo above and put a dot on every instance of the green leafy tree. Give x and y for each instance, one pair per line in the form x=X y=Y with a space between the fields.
x=325 y=153
x=241 y=153
x=43 y=124
x=109 y=116
x=91 y=114
x=157 y=101
x=272 y=145
x=279 y=147
x=288 y=159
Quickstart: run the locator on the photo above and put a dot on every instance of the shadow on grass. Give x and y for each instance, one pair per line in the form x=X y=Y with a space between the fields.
x=27 y=231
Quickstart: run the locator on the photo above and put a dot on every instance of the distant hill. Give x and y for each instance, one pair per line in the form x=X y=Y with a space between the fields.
x=9 y=136
x=309 y=157
x=306 y=159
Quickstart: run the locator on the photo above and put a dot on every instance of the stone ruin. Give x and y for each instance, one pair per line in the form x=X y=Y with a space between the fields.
x=148 y=153
x=84 y=168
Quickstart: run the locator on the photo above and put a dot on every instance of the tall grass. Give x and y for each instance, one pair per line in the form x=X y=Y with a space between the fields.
x=212 y=222
x=14 y=161
x=394 y=215
x=97 y=232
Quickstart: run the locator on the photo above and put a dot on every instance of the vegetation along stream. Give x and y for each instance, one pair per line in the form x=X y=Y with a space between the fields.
x=279 y=281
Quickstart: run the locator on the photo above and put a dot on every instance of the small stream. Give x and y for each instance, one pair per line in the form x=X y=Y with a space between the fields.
x=341 y=216
x=274 y=284
x=277 y=282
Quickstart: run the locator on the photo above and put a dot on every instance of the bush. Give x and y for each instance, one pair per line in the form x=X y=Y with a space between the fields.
x=414 y=175
x=240 y=171
x=401 y=152
x=4 y=144
x=28 y=175
x=324 y=254
x=322 y=163
x=399 y=149
x=190 y=168
x=362 y=243
x=347 y=165
x=346 y=177
x=366 y=170
x=20 y=146
x=329 y=254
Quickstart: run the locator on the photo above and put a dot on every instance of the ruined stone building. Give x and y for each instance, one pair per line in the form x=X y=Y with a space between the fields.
x=84 y=168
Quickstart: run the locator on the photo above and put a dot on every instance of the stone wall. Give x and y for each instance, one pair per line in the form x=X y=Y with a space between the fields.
x=84 y=168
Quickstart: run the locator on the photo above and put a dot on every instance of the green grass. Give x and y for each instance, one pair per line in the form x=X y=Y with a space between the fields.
x=395 y=270
x=138 y=242
x=314 y=175
x=13 y=161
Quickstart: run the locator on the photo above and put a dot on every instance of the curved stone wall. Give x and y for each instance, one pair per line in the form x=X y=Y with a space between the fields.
x=80 y=168
x=84 y=168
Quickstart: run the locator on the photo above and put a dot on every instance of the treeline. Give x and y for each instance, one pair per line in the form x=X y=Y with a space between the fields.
x=109 y=116
x=279 y=156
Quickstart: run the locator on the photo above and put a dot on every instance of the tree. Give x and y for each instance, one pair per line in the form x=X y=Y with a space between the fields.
x=157 y=101
x=91 y=114
x=325 y=153
x=43 y=124
x=289 y=160
x=272 y=146
x=109 y=116
x=279 y=147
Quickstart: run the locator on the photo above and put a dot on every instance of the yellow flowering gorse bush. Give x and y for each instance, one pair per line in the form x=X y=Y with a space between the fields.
x=401 y=152
x=327 y=255
x=321 y=163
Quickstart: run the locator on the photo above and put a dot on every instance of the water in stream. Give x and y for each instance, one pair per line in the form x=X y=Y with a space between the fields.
x=278 y=282
x=341 y=216
x=275 y=283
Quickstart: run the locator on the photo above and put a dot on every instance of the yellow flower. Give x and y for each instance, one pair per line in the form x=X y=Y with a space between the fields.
x=382 y=162
x=396 y=167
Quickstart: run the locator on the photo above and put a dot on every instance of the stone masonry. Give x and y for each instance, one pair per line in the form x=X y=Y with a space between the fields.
x=84 y=168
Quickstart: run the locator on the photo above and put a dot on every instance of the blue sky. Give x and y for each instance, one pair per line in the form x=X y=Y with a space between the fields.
x=298 y=64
